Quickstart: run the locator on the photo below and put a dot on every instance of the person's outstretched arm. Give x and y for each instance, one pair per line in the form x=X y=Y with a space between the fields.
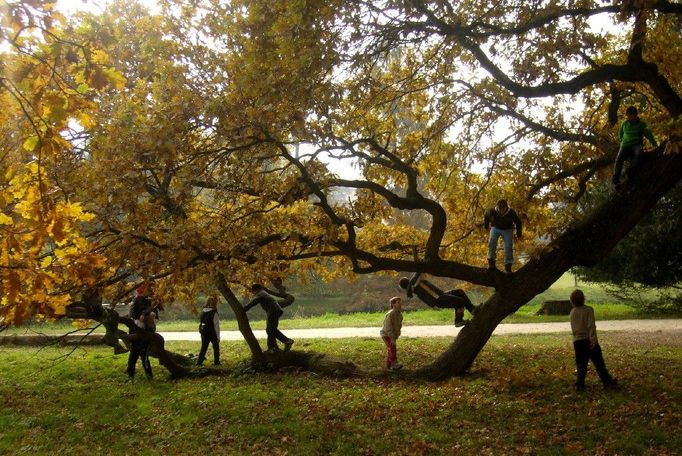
x=592 y=328
x=287 y=298
x=216 y=325
x=650 y=136
x=277 y=293
x=252 y=303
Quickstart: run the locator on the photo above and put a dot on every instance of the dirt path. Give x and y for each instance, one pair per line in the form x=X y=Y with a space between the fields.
x=447 y=331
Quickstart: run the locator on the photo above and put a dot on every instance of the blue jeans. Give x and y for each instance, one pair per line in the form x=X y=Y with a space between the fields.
x=507 y=237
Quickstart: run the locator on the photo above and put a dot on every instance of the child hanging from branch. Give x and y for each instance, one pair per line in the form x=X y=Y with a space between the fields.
x=433 y=296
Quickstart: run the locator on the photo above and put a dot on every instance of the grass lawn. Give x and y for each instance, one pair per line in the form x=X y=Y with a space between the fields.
x=518 y=400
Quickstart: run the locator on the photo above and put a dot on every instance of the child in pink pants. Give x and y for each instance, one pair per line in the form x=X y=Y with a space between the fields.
x=393 y=322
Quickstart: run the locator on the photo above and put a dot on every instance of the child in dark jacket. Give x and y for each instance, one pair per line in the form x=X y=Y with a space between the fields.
x=433 y=296
x=209 y=328
x=273 y=311
x=143 y=314
x=631 y=134
x=502 y=220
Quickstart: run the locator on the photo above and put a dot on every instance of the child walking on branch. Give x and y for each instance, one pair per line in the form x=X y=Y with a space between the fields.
x=209 y=329
x=433 y=296
x=502 y=220
x=273 y=311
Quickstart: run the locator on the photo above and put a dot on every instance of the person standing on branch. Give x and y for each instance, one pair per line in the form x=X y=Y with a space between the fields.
x=209 y=328
x=433 y=296
x=502 y=220
x=390 y=331
x=273 y=311
x=631 y=134
x=585 y=342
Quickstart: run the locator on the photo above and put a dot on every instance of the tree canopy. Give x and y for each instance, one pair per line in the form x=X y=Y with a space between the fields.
x=195 y=143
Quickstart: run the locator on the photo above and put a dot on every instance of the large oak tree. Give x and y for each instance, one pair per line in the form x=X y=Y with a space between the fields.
x=191 y=147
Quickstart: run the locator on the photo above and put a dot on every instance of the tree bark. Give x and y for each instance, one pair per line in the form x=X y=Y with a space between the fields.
x=242 y=320
x=585 y=244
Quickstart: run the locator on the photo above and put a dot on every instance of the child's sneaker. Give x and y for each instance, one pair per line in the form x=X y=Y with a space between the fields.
x=460 y=323
x=396 y=366
x=613 y=384
x=287 y=345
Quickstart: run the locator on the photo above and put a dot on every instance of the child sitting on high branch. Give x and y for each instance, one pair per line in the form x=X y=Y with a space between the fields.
x=631 y=134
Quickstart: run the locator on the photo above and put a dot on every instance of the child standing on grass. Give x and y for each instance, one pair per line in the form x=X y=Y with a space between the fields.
x=585 y=342
x=393 y=322
x=209 y=328
x=143 y=314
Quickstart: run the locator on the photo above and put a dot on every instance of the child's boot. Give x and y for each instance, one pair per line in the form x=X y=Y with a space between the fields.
x=459 y=319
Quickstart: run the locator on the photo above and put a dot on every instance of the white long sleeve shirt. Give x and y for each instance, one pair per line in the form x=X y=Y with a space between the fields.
x=583 y=324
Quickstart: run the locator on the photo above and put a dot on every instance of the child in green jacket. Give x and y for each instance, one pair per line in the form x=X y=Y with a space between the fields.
x=632 y=133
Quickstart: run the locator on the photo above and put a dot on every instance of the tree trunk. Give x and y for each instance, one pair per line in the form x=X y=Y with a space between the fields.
x=584 y=244
x=242 y=319
x=177 y=365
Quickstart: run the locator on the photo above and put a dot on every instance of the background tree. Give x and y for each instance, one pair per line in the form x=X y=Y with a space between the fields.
x=647 y=259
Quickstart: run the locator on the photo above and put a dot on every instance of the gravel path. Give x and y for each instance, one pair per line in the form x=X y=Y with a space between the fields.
x=447 y=331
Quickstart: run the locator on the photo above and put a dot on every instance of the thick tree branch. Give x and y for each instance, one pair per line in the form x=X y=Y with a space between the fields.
x=635 y=70
x=587 y=166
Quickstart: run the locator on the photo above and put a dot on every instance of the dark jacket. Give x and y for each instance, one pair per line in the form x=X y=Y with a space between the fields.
x=503 y=222
x=425 y=290
x=266 y=301
x=141 y=305
x=207 y=323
